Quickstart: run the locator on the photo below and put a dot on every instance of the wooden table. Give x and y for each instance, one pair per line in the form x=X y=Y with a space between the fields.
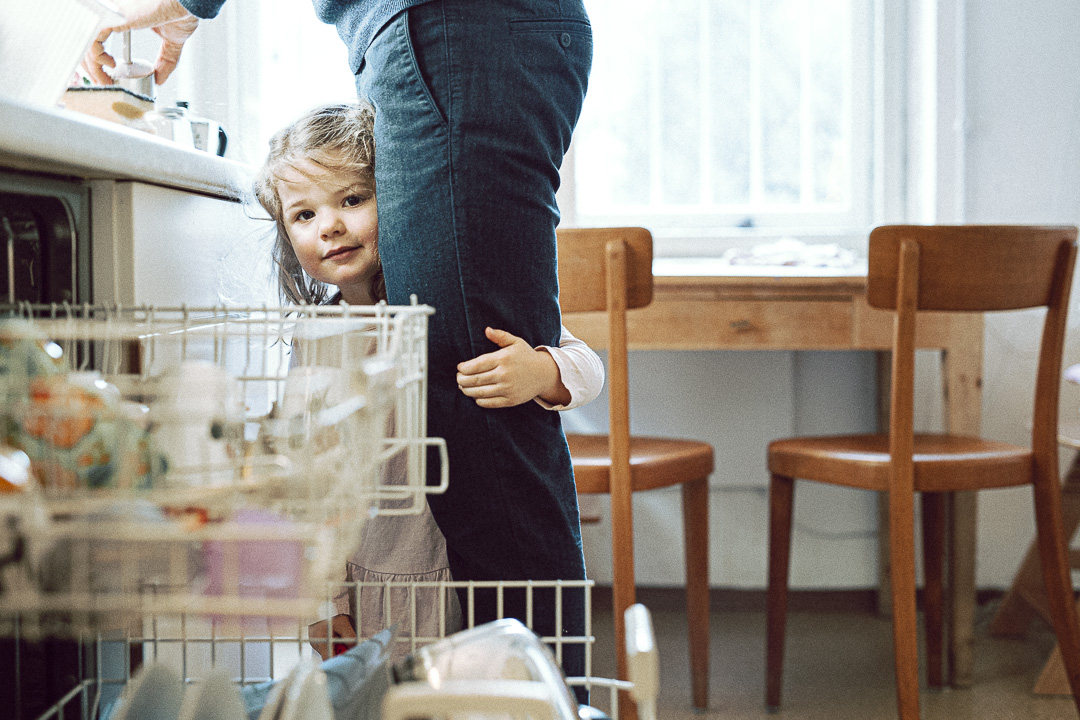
x=702 y=304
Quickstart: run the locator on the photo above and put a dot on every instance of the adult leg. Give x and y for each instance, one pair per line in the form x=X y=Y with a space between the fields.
x=475 y=104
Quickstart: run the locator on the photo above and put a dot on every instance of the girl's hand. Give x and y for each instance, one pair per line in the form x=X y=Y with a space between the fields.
x=341 y=627
x=514 y=374
x=168 y=18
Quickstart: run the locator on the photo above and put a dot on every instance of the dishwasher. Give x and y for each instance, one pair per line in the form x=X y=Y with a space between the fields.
x=177 y=494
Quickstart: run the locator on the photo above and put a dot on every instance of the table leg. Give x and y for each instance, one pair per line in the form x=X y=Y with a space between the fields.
x=961 y=520
x=884 y=592
x=962 y=386
x=1026 y=598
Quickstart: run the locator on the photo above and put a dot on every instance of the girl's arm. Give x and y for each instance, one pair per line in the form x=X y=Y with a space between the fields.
x=581 y=372
x=557 y=378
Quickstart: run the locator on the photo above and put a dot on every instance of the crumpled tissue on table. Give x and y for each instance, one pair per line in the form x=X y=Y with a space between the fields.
x=1072 y=374
x=788 y=251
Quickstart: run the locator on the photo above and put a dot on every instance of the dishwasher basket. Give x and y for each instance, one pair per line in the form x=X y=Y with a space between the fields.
x=194 y=648
x=197 y=461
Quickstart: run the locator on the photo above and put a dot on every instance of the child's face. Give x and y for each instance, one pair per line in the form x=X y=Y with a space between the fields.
x=333 y=226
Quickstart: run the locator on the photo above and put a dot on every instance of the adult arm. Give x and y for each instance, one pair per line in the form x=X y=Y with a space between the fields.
x=172 y=20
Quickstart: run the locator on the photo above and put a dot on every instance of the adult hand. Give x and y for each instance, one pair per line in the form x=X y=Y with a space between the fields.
x=514 y=374
x=168 y=18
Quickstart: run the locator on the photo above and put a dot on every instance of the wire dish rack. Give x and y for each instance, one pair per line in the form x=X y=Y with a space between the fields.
x=199 y=461
x=195 y=650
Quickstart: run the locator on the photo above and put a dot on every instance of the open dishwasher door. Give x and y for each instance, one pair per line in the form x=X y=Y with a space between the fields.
x=502 y=670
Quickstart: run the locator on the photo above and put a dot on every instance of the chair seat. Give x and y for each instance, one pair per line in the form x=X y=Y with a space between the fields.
x=654 y=462
x=942 y=462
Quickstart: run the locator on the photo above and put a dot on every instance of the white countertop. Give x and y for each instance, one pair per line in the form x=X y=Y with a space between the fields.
x=60 y=141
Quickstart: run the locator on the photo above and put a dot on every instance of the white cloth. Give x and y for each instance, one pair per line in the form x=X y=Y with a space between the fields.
x=411 y=548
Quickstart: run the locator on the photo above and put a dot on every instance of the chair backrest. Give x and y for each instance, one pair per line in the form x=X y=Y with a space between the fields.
x=973 y=268
x=609 y=270
x=583 y=258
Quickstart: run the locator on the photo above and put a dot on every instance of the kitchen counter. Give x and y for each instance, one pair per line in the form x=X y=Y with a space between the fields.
x=63 y=142
x=153 y=222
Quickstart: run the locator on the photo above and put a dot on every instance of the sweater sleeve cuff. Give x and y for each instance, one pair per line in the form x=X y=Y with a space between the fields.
x=569 y=378
x=203 y=9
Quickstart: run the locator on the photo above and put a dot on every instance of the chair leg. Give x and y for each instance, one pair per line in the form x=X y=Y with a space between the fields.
x=781 y=505
x=695 y=507
x=905 y=621
x=933 y=525
x=623 y=587
x=1053 y=556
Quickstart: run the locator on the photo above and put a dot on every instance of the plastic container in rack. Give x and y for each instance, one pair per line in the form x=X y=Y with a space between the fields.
x=211 y=461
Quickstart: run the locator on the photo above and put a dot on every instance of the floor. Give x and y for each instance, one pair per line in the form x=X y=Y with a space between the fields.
x=838 y=667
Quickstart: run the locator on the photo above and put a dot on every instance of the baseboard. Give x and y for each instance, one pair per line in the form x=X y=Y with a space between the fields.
x=861 y=600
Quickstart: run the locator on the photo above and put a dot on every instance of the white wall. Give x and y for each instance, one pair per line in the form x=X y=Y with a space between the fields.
x=1022 y=166
x=1020 y=163
x=739 y=401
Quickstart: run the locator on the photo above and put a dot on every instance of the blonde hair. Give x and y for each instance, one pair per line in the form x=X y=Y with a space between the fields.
x=339 y=138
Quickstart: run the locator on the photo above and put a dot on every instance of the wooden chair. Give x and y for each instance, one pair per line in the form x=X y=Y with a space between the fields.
x=957 y=268
x=610 y=270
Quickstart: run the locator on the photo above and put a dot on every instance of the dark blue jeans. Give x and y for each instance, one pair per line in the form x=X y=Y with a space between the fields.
x=475 y=102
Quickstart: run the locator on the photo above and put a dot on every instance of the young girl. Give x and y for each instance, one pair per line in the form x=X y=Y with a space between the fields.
x=318 y=184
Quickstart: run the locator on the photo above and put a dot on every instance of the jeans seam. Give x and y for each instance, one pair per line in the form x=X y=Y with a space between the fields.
x=497 y=469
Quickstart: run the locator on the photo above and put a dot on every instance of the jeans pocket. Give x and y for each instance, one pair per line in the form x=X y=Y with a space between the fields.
x=572 y=36
x=424 y=37
x=552 y=25
x=393 y=76
x=540 y=40
x=556 y=55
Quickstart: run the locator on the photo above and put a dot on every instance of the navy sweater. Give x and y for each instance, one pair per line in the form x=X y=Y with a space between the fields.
x=357 y=21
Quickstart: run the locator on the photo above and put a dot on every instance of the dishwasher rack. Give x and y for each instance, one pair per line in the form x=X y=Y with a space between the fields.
x=150 y=557
x=193 y=647
x=201 y=461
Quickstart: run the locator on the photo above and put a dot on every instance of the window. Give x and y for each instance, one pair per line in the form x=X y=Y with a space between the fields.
x=299 y=63
x=714 y=123
x=303 y=64
x=707 y=117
